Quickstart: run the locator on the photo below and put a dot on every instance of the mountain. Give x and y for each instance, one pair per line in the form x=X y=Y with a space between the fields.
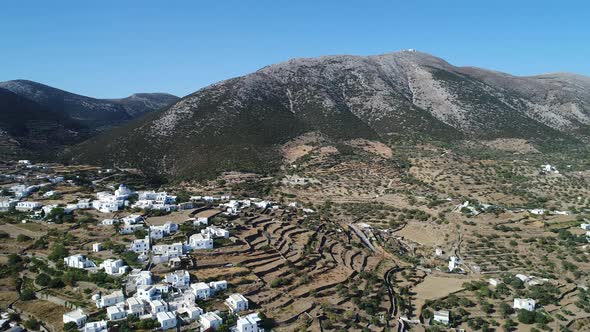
x=402 y=96
x=26 y=126
x=97 y=114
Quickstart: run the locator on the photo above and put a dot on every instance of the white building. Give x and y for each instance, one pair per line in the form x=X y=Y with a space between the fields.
x=123 y=192
x=210 y=320
x=78 y=262
x=585 y=227
x=441 y=316
x=77 y=316
x=112 y=299
x=140 y=245
x=158 y=197
x=179 y=279
x=116 y=312
x=132 y=219
x=168 y=250
x=157 y=306
x=494 y=282
x=135 y=307
x=215 y=232
x=8 y=204
x=201 y=290
x=158 y=232
x=237 y=302
x=526 y=304
x=147 y=293
x=201 y=241
x=98 y=326
x=114 y=266
x=248 y=323
x=130 y=229
x=27 y=206
x=140 y=278
x=218 y=285
x=167 y=320
x=109 y=222
x=191 y=311
x=96 y=247
x=50 y=193
x=453 y=263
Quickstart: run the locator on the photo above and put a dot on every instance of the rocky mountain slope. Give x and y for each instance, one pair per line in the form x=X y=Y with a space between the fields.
x=97 y=114
x=27 y=127
x=401 y=96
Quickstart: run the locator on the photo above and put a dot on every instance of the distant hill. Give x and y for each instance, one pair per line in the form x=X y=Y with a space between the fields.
x=27 y=127
x=96 y=114
x=404 y=96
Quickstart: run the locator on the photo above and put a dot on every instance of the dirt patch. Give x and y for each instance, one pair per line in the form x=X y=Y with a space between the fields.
x=423 y=233
x=48 y=312
x=511 y=145
x=373 y=147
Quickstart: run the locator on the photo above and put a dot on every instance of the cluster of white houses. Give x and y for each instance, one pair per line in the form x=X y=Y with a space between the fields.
x=179 y=304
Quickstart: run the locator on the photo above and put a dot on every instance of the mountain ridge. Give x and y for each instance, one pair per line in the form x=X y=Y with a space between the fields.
x=399 y=96
x=98 y=114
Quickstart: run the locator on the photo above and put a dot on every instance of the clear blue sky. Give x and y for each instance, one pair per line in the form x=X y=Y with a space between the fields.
x=115 y=48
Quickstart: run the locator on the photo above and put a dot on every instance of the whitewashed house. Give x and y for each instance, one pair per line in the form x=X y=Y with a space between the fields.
x=140 y=245
x=210 y=320
x=218 y=285
x=585 y=227
x=248 y=323
x=167 y=320
x=237 y=302
x=140 y=278
x=178 y=279
x=50 y=193
x=147 y=293
x=158 y=232
x=78 y=262
x=132 y=219
x=165 y=252
x=441 y=316
x=110 y=222
x=526 y=304
x=157 y=306
x=130 y=229
x=215 y=232
x=8 y=204
x=96 y=247
x=98 y=326
x=453 y=263
x=27 y=206
x=116 y=312
x=201 y=290
x=112 y=299
x=200 y=241
x=77 y=316
x=135 y=307
x=114 y=266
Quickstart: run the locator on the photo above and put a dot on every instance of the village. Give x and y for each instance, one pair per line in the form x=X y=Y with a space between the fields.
x=110 y=251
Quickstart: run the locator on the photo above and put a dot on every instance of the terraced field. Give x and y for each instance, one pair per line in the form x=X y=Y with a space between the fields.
x=299 y=275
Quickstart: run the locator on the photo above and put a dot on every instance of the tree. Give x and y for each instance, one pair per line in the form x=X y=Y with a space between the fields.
x=58 y=252
x=32 y=324
x=526 y=317
x=43 y=279
x=27 y=295
x=22 y=238
x=70 y=327
x=505 y=309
